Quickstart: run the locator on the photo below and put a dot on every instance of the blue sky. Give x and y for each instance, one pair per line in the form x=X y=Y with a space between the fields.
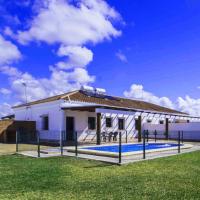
x=152 y=46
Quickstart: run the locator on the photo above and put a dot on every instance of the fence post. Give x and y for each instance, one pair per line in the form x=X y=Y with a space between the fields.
x=120 y=148
x=139 y=128
x=167 y=128
x=147 y=132
x=155 y=135
x=179 y=141
x=17 y=137
x=61 y=143
x=38 y=143
x=126 y=137
x=144 y=153
x=76 y=143
x=182 y=137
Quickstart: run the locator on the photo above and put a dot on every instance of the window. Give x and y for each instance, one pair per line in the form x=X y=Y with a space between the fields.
x=108 y=122
x=91 y=123
x=45 y=123
x=149 y=120
x=121 y=124
x=161 y=121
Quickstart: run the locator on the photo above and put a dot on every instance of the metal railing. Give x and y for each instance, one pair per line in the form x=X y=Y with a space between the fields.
x=61 y=146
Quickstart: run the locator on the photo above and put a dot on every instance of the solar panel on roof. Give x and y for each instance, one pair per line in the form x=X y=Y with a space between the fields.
x=96 y=95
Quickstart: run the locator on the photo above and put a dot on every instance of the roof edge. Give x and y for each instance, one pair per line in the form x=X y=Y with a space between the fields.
x=45 y=100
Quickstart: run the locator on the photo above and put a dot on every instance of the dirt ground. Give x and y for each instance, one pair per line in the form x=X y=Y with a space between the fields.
x=6 y=149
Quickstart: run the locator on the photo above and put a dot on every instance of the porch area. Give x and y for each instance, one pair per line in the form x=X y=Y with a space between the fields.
x=102 y=124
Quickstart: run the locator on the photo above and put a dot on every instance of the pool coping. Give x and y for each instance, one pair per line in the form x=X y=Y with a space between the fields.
x=116 y=154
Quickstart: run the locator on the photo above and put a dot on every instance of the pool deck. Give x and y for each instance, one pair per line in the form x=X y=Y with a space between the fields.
x=52 y=152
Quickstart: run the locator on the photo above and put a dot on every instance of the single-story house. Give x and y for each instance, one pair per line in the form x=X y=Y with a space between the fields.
x=91 y=112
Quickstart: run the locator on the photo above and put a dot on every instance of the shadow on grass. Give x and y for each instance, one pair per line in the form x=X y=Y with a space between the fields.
x=100 y=165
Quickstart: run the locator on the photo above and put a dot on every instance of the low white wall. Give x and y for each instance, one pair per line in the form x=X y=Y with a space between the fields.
x=191 y=131
x=193 y=126
x=153 y=127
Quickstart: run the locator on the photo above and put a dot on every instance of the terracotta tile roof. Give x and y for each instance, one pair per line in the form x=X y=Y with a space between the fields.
x=46 y=100
x=121 y=102
x=106 y=100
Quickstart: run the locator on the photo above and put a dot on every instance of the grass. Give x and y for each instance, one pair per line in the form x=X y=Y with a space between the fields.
x=176 y=177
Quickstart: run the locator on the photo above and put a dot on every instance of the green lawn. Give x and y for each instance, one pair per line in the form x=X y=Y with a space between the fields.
x=176 y=177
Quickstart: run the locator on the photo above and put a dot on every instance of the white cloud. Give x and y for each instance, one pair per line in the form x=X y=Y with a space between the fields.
x=121 y=56
x=10 y=71
x=5 y=109
x=187 y=104
x=138 y=92
x=71 y=25
x=59 y=21
x=8 y=51
x=59 y=82
x=81 y=76
x=77 y=57
x=5 y=91
x=8 y=31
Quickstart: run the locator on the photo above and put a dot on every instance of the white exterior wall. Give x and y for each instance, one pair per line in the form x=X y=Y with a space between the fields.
x=81 y=124
x=152 y=127
x=129 y=118
x=57 y=121
x=155 y=118
x=34 y=112
x=191 y=131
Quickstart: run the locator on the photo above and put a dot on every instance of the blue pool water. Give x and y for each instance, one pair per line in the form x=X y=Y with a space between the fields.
x=131 y=147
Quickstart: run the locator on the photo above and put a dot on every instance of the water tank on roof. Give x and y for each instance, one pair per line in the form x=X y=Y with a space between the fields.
x=86 y=88
x=100 y=91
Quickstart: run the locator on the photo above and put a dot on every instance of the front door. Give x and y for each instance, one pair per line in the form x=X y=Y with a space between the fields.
x=70 y=128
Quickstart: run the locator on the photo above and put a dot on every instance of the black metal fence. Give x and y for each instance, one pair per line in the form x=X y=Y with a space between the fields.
x=36 y=145
x=26 y=140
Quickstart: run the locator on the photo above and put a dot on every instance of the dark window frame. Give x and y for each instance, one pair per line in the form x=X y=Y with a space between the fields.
x=119 y=124
x=161 y=122
x=92 y=123
x=109 y=123
x=149 y=121
x=45 y=123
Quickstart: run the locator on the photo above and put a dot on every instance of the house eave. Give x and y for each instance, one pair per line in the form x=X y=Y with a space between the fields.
x=89 y=106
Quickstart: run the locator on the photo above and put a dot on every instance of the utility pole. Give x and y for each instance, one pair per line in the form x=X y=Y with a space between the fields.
x=25 y=89
x=26 y=98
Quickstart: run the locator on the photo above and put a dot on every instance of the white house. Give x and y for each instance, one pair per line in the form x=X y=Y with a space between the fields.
x=92 y=112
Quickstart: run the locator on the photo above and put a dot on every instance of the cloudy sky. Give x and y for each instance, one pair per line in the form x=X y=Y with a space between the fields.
x=140 y=49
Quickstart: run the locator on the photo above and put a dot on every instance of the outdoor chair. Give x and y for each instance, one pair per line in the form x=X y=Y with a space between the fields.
x=115 y=136
x=103 y=136
x=110 y=136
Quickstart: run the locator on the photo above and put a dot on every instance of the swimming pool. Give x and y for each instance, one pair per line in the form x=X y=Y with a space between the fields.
x=112 y=150
x=131 y=147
